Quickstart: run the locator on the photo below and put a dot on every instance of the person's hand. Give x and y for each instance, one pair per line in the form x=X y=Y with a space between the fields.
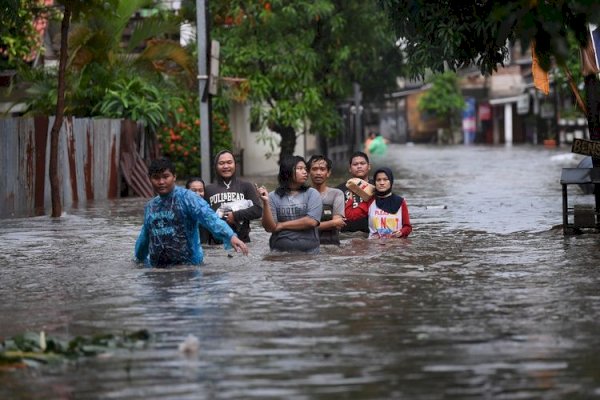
x=239 y=246
x=398 y=234
x=339 y=223
x=263 y=193
x=229 y=218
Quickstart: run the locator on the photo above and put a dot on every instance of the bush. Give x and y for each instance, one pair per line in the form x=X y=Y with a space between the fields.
x=179 y=139
x=135 y=99
x=164 y=107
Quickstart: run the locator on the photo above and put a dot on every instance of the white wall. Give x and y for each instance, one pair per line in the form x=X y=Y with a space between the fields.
x=261 y=149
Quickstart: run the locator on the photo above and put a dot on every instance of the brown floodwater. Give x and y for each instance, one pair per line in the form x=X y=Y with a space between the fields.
x=486 y=299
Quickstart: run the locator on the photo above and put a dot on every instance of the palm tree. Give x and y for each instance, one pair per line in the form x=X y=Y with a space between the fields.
x=98 y=39
x=95 y=39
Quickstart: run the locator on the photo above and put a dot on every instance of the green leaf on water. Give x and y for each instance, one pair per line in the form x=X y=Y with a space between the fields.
x=25 y=350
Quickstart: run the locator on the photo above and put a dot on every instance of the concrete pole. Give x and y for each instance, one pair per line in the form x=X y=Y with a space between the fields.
x=358 y=134
x=204 y=97
x=508 y=125
x=496 y=125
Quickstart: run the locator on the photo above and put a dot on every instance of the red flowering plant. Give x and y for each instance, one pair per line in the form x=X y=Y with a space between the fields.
x=179 y=139
x=21 y=31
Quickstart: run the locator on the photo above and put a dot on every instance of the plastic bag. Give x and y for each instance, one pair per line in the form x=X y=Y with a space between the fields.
x=233 y=206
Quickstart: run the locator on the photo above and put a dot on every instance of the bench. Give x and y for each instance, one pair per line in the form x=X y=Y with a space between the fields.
x=584 y=216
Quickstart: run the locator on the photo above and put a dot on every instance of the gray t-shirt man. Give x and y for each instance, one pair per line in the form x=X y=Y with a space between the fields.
x=288 y=208
x=333 y=204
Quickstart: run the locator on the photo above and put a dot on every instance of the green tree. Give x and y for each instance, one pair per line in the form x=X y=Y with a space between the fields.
x=98 y=39
x=300 y=58
x=443 y=99
x=568 y=77
x=71 y=8
x=97 y=76
x=100 y=68
x=18 y=38
x=440 y=34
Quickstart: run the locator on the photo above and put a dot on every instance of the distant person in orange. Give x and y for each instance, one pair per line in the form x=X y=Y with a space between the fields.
x=372 y=135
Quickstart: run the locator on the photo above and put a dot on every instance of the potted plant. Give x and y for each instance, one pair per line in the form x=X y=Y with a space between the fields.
x=550 y=141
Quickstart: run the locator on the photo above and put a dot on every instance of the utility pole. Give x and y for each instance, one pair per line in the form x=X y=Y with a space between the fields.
x=357 y=111
x=202 y=32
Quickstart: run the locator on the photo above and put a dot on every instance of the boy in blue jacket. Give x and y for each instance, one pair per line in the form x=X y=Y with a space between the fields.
x=169 y=235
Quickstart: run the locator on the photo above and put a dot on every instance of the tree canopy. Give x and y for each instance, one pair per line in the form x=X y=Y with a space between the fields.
x=439 y=33
x=444 y=97
x=300 y=57
x=456 y=34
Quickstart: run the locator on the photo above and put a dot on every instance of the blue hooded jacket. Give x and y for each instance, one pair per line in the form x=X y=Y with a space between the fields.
x=170 y=236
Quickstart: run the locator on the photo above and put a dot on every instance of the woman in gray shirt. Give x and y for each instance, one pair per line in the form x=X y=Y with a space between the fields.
x=292 y=212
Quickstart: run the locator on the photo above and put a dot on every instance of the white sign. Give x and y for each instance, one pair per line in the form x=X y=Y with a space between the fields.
x=523 y=104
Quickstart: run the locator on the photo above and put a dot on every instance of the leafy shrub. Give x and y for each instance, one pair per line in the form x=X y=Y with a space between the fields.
x=170 y=111
x=19 y=40
x=179 y=139
x=135 y=99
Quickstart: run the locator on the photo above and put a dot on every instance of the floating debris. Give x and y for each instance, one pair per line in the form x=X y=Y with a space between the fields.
x=31 y=349
x=190 y=345
x=442 y=207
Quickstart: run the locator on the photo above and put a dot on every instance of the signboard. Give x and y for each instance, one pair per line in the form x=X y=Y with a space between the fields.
x=468 y=122
x=523 y=104
x=586 y=147
x=547 y=110
x=485 y=112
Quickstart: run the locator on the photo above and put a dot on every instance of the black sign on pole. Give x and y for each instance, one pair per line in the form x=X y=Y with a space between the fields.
x=586 y=147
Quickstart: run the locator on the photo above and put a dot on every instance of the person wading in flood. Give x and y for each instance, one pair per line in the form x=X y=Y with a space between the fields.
x=292 y=212
x=387 y=212
x=332 y=219
x=196 y=185
x=169 y=235
x=359 y=168
x=229 y=189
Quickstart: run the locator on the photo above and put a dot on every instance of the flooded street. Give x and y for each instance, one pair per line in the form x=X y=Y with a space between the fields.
x=485 y=300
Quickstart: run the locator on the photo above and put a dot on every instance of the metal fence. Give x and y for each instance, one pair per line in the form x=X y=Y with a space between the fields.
x=88 y=163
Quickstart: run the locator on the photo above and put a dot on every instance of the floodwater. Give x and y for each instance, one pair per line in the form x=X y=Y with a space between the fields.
x=486 y=300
